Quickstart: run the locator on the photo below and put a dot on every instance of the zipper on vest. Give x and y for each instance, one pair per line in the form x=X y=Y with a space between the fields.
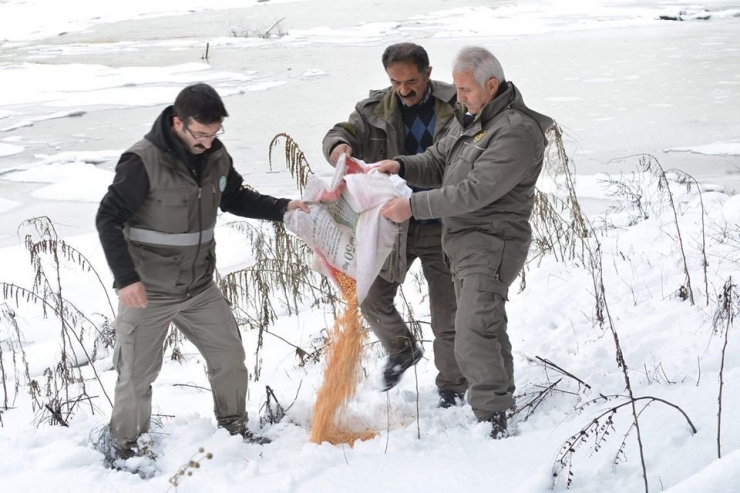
x=200 y=238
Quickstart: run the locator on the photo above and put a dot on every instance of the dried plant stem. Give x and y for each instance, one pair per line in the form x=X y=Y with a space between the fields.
x=726 y=312
x=547 y=362
x=621 y=362
x=65 y=325
x=719 y=396
x=295 y=160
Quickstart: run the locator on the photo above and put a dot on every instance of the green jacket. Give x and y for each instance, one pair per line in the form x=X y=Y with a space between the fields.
x=487 y=174
x=375 y=132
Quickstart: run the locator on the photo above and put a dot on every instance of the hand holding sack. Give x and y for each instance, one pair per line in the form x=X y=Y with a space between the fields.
x=345 y=229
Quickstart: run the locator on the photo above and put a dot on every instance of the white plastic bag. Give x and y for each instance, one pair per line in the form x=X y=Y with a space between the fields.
x=345 y=229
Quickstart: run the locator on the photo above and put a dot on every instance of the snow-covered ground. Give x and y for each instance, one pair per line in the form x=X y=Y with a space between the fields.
x=83 y=81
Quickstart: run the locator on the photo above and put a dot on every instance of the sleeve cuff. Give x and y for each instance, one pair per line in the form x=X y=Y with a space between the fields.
x=335 y=144
x=402 y=164
x=283 y=208
x=126 y=281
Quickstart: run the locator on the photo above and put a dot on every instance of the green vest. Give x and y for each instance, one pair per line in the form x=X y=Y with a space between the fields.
x=171 y=236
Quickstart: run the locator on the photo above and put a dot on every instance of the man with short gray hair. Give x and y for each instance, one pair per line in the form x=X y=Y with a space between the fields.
x=487 y=167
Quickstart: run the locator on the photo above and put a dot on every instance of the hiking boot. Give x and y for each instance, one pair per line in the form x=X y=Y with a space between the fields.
x=399 y=363
x=450 y=398
x=499 y=429
x=113 y=452
x=250 y=437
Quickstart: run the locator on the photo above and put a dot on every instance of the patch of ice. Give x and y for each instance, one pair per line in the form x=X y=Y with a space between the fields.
x=52 y=116
x=10 y=150
x=714 y=149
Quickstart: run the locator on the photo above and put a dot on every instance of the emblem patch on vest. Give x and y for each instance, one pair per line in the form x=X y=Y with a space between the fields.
x=479 y=136
x=222 y=183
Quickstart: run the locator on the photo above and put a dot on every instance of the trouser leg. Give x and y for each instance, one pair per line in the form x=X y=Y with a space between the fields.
x=386 y=322
x=206 y=320
x=425 y=242
x=482 y=345
x=137 y=359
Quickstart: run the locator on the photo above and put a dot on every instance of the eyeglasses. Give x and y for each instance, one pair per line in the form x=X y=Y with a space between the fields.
x=201 y=136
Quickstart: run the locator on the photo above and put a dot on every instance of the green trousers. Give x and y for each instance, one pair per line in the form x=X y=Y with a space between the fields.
x=205 y=320
x=424 y=241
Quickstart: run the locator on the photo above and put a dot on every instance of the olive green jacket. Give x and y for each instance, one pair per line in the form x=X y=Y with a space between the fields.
x=487 y=172
x=375 y=132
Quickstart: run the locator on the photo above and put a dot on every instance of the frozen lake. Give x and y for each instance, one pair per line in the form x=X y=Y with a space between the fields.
x=634 y=86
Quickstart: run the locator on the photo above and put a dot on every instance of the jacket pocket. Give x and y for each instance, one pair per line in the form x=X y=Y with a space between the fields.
x=471 y=152
x=473 y=250
x=171 y=210
x=517 y=238
x=158 y=271
x=209 y=202
x=377 y=150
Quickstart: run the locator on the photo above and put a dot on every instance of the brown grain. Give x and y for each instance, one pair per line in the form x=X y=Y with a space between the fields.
x=342 y=372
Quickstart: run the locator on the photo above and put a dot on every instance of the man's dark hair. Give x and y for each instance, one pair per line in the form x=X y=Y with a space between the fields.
x=200 y=102
x=406 y=53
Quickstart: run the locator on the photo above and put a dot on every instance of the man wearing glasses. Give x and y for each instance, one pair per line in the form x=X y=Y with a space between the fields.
x=156 y=225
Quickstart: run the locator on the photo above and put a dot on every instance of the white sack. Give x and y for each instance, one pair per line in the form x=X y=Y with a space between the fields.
x=345 y=229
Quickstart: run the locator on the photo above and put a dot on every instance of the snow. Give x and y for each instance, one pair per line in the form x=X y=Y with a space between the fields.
x=10 y=149
x=610 y=72
x=6 y=205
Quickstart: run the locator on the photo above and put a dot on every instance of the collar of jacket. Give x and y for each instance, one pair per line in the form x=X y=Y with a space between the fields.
x=161 y=136
x=444 y=93
x=507 y=96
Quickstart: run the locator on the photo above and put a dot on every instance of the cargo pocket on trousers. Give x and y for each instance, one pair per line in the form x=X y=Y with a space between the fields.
x=123 y=354
x=489 y=284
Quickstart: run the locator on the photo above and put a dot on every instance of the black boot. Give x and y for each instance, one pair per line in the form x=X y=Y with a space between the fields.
x=238 y=426
x=399 y=363
x=499 y=429
x=250 y=437
x=113 y=452
x=450 y=398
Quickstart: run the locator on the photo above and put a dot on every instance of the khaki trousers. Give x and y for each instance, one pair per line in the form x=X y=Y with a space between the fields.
x=424 y=241
x=485 y=261
x=482 y=344
x=206 y=321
